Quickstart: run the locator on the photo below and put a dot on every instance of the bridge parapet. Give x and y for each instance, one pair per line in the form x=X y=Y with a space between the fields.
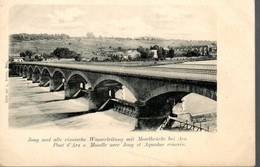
x=206 y=73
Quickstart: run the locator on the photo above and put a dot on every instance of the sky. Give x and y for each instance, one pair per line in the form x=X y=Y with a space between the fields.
x=165 y=21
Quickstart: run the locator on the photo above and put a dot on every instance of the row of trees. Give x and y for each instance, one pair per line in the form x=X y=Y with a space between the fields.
x=57 y=53
x=162 y=53
x=154 y=52
x=64 y=53
x=28 y=55
x=92 y=36
x=28 y=37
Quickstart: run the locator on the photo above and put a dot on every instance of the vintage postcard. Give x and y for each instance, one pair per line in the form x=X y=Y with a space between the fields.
x=127 y=83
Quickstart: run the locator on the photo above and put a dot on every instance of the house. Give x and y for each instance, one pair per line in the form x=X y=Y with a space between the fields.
x=132 y=54
x=17 y=59
x=119 y=54
x=155 y=55
x=213 y=50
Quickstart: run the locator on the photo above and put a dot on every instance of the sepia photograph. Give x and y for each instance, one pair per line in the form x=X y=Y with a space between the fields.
x=127 y=83
x=126 y=67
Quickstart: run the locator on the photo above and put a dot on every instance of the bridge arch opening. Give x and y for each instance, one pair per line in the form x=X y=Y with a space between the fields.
x=196 y=105
x=76 y=86
x=16 y=70
x=116 y=89
x=36 y=75
x=13 y=70
x=30 y=73
x=45 y=78
x=158 y=108
x=57 y=81
x=20 y=71
x=115 y=95
x=25 y=72
x=183 y=101
x=207 y=91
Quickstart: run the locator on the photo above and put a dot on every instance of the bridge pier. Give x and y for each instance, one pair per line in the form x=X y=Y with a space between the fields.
x=152 y=113
x=147 y=119
x=20 y=73
x=139 y=108
x=35 y=77
x=98 y=97
x=71 y=89
x=44 y=81
x=74 y=90
x=24 y=74
x=17 y=71
x=29 y=76
x=56 y=84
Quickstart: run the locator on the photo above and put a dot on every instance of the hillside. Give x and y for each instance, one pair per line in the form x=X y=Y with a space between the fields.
x=86 y=46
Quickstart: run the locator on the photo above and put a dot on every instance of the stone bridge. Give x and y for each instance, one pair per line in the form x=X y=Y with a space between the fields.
x=153 y=88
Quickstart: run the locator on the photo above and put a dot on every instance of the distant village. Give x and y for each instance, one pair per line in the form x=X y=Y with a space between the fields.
x=113 y=54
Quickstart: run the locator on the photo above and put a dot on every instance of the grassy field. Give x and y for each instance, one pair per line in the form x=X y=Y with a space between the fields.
x=85 y=46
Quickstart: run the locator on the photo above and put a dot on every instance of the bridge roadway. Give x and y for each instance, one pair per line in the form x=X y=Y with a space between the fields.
x=179 y=71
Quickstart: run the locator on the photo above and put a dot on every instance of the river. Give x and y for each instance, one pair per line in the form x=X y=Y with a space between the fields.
x=31 y=106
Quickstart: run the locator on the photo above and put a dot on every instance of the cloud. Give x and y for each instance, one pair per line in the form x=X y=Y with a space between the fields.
x=65 y=15
x=121 y=21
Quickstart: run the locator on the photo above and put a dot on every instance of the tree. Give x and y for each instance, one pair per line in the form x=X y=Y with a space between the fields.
x=145 y=53
x=29 y=53
x=64 y=53
x=90 y=35
x=155 y=47
x=159 y=53
x=22 y=54
x=78 y=58
x=192 y=54
x=119 y=48
x=38 y=58
x=171 y=53
x=45 y=56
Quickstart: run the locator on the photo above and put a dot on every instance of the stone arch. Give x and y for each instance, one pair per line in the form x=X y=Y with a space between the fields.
x=30 y=66
x=80 y=74
x=45 y=68
x=117 y=79
x=181 y=88
x=45 y=77
x=58 y=70
x=17 y=68
x=75 y=85
x=25 y=70
x=57 y=80
x=36 y=74
x=36 y=67
x=20 y=70
x=30 y=72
